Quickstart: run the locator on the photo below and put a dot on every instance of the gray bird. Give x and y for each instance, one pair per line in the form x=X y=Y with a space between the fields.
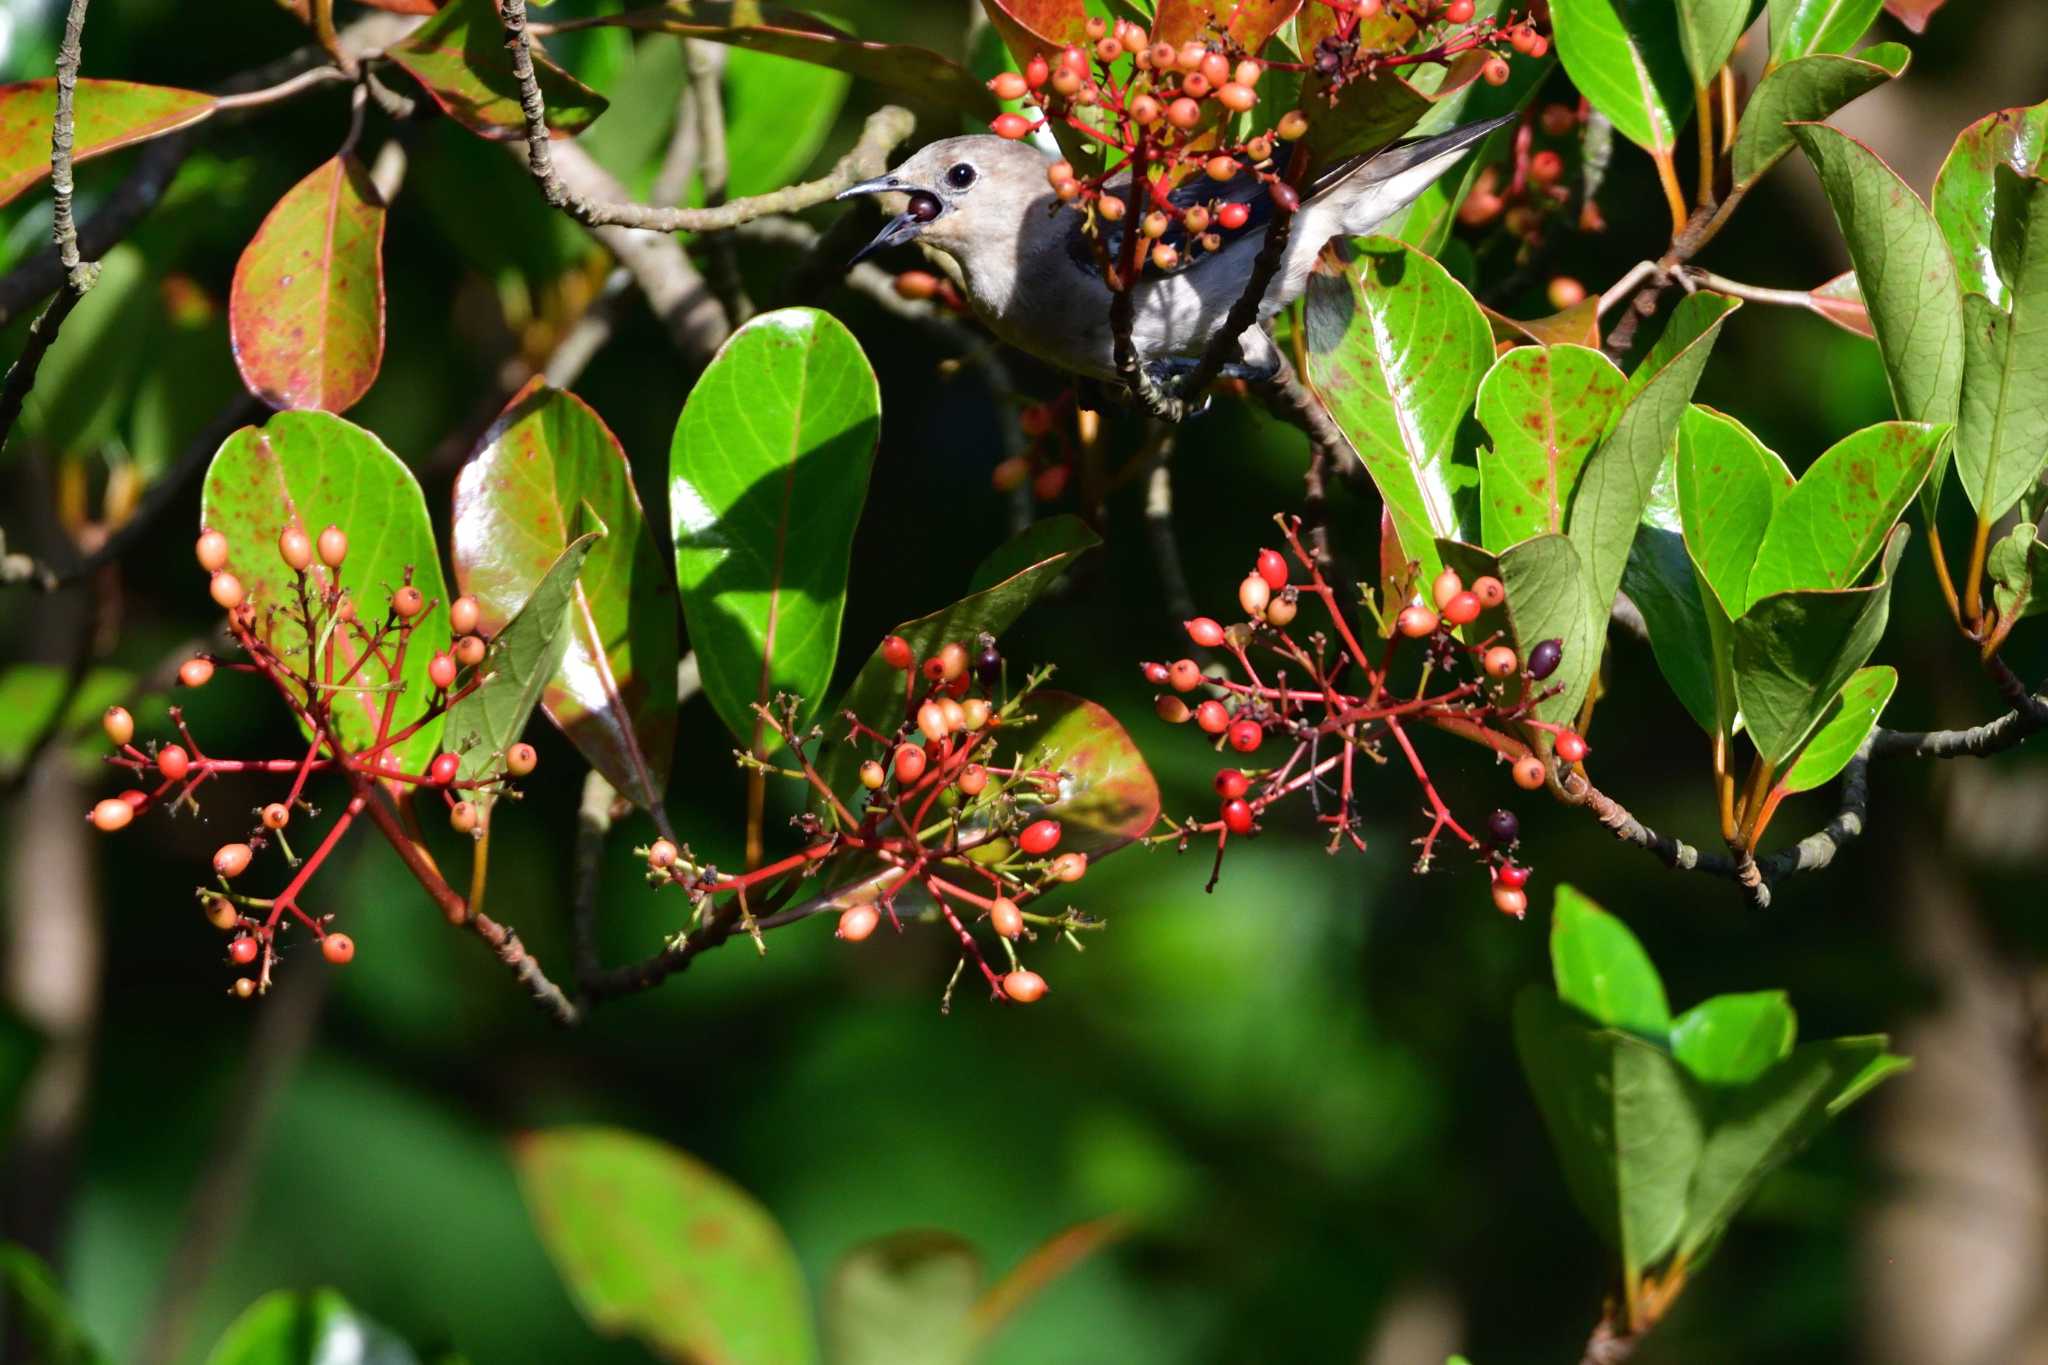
x=1031 y=273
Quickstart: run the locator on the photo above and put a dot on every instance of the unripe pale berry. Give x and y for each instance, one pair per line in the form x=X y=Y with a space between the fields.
x=441 y=670
x=1529 y=772
x=1185 y=675
x=339 y=949
x=443 y=769
x=119 y=725
x=1237 y=98
x=1254 y=594
x=1024 y=987
x=1039 y=837
x=1213 y=717
x=931 y=719
x=195 y=672
x=408 y=601
x=276 y=815
x=872 y=776
x=856 y=922
x=464 y=614
x=1247 y=72
x=1006 y=918
x=112 y=814
x=1566 y=292
x=232 y=860
x=910 y=763
x=1500 y=662
x=1164 y=257
x=1223 y=168
x=1447 y=586
x=1205 y=632
x=974 y=713
x=173 y=762
x=521 y=759
x=1231 y=782
x=1070 y=867
x=1571 y=747
x=1463 y=609
x=1109 y=205
x=242 y=951
x=1293 y=126
x=1237 y=815
x=462 y=817
x=212 y=551
x=1415 y=621
x=1489 y=591
x=333 y=546
x=295 y=548
x=227 y=591
x=243 y=988
x=1544 y=659
x=952 y=658
x=221 y=913
x=1171 y=709
x=1511 y=900
x=470 y=650
x=1008 y=85
x=973 y=778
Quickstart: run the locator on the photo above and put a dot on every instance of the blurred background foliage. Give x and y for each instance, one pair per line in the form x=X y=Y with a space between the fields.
x=1301 y=1087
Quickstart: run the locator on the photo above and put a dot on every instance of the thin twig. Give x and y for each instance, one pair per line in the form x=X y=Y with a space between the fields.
x=593 y=825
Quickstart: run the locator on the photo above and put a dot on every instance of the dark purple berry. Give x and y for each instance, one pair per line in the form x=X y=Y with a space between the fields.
x=1544 y=659
x=1503 y=826
x=988 y=667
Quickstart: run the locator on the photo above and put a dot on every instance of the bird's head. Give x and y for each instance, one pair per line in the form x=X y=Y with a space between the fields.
x=958 y=194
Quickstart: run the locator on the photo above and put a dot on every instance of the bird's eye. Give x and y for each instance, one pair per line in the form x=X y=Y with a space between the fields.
x=960 y=176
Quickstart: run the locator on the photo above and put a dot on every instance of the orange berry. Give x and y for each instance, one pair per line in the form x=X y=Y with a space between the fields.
x=119 y=725
x=462 y=817
x=333 y=545
x=521 y=759
x=1008 y=85
x=856 y=922
x=227 y=591
x=112 y=814
x=195 y=672
x=1566 y=292
x=465 y=613
x=212 y=551
x=339 y=949
x=1007 y=919
x=1024 y=987
x=1501 y=662
x=1489 y=591
x=1529 y=772
x=276 y=815
x=1447 y=586
x=295 y=548
x=441 y=670
x=470 y=650
x=408 y=602
x=232 y=860
x=1415 y=621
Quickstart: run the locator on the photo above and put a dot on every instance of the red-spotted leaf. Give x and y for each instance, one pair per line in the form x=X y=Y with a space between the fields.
x=314 y=469
x=767 y=473
x=106 y=115
x=1244 y=24
x=516 y=506
x=1037 y=26
x=1825 y=532
x=460 y=57
x=1966 y=192
x=656 y=1245
x=306 y=313
x=1107 y=795
x=1546 y=408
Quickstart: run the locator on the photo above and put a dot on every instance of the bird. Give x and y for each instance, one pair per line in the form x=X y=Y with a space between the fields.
x=1030 y=272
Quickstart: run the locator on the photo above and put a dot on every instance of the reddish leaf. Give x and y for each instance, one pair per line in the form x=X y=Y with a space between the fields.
x=307 y=308
x=1578 y=325
x=1914 y=14
x=1841 y=302
x=405 y=6
x=109 y=114
x=1029 y=26
x=1107 y=795
x=516 y=501
x=459 y=55
x=1246 y=23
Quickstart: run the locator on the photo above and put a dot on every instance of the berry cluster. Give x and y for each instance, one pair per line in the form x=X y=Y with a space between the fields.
x=1048 y=462
x=346 y=662
x=938 y=824
x=1530 y=192
x=1327 y=700
x=1171 y=112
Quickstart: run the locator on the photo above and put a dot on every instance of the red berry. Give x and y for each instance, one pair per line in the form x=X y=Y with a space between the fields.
x=909 y=763
x=1231 y=216
x=242 y=951
x=1511 y=900
x=521 y=759
x=1545 y=168
x=1272 y=565
x=339 y=949
x=1035 y=72
x=120 y=726
x=1011 y=126
x=1571 y=747
x=1237 y=816
x=1006 y=918
x=173 y=762
x=1185 y=675
x=1039 y=837
x=1213 y=717
x=333 y=546
x=1246 y=736
x=897 y=653
x=1559 y=119
x=1500 y=662
x=212 y=551
x=856 y=922
x=1489 y=591
x=1024 y=987
x=112 y=814
x=295 y=548
x=1459 y=11
x=1529 y=772
x=464 y=615
x=1205 y=632
x=1511 y=874
x=1155 y=673
x=1232 y=782
x=443 y=769
x=232 y=860
x=1447 y=586
x=1463 y=609
x=441 y=670
x=1416 y=621
x=276 y=815
x=408 y=601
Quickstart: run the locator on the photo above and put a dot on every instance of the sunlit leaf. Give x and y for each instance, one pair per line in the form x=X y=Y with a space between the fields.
x=1038 y=27
x=1803 y=91
x=1844 y=728
x=1626 y=57
x=1107 y=795
x=1831 y=525
x=105 y=114
x=1731 y=1040
x=1546 y=587
x=1966 y=192
x=1546 y=408
x=2002 y=434
x=318 y=1327
x=1602 y=970
x=1800 y=28
x=459 y=55
x=778 y=113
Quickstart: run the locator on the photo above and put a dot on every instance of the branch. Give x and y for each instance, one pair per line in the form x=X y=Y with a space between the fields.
x=2028 y=716
x=886 y=128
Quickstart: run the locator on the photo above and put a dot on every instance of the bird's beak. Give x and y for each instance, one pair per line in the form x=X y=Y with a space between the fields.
x=899 y=229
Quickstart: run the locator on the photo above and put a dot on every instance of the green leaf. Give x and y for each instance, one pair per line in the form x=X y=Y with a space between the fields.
x=1827 y=530
x=1806 y=90
x=460 y=57
x=523 y=658
x=1602 y=970
x=1107 y=795
x=1847 y=724
x=307 y=306
x=1661 y=581
x=1546 y=586
x=2019 y=560
x=1966 y=192
x=1761 y=1126
x=1800 y=28
x=904 y=1299
x=105 y=115
x=656 y=1245
x=767 y=474
x=39 y=1312
x=1626 y=56
x=614 y=694
x=1794 y=650
x=1907 y=279
x=778 y=113
x=317 y=1327
x=108 y=346
x=1396 y=351
x=1731 y=1040
x=1426 y=224
x=30 y=697
x=1546 y=408
x=876 y=694
x=1624 y=1118
x=1707 y=30
x=314 y=469
x=2002 y=435
x=1618 y=479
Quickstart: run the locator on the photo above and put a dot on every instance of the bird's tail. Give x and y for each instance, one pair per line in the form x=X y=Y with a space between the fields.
x=1384 y=183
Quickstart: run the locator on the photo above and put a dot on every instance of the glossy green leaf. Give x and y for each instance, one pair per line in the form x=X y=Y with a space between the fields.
x=1546 y=408
x=1546 y=586
x=654 y=1244
x=316 y=470
x=1905 y=274
x=515 y=504
x=1800 y=28
x=767 y=474
x=876 y=695
x=1602 y=970
x=1661 y=581
x=2002 y=433
x=37 y=1310
x=1831 y=525
x=1806 y=90
x=1731 y=1040
x=2018 y=569
x=1842 y=732
x=32 y=696
x=1794 y=650
x=1107 y=795
x=1761 y=1126
x=524 y=657
x=1617 y=481
x=106 y=115
x=1396 y=351
x=904 y=1299
x=318 y=1327
x=460 y=57
x=109 y=345
x=1627 y=58
x=1966 y=192
x=1624 y=1118
x=1707 y=30
x=778 y=113
x=307 y=307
